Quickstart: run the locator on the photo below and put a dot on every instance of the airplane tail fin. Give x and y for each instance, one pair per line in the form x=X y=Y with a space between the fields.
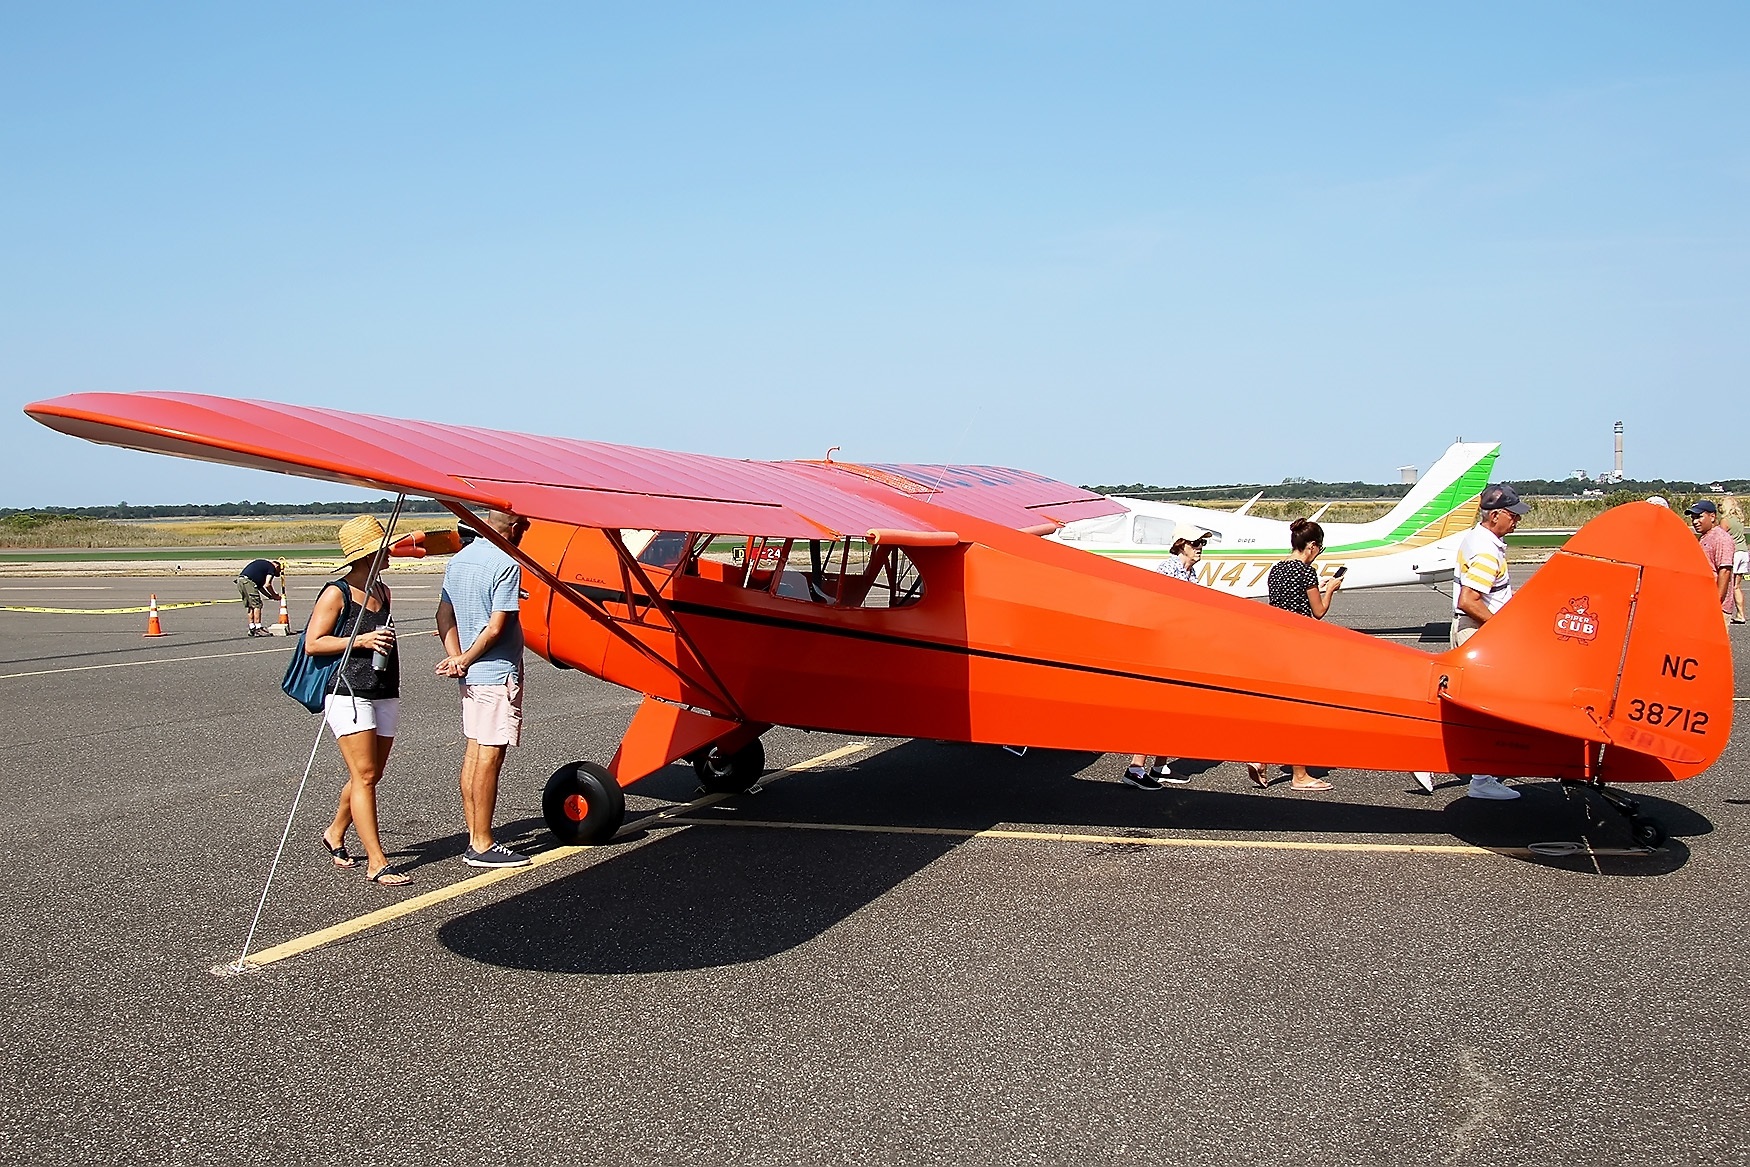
x=1444 y=501
x=1618 y=639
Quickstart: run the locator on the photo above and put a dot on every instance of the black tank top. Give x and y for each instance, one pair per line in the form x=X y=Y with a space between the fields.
x=357 y=678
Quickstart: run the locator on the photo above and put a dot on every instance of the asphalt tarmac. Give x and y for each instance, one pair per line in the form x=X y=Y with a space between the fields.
x=1012 y=960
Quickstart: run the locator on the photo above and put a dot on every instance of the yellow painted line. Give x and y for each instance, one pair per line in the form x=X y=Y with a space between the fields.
x=406 y=907
x=134 y=664
x=1463 y=850
x=119 y=611
x=419 y=903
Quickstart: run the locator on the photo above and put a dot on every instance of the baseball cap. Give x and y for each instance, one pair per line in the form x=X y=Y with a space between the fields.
x=1189 y=533
x=1702 y=506
x=1501 y=497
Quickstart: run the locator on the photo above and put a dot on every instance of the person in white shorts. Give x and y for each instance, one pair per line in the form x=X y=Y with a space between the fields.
x=1481 y=587
x=479 y=623
x=1732 y=519
x=364 y=698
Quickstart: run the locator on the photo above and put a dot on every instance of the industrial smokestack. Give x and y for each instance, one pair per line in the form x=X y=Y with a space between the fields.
x=1618 y=476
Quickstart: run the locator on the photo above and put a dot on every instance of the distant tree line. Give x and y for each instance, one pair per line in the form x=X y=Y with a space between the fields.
x=221 y=510
x=1306 y=488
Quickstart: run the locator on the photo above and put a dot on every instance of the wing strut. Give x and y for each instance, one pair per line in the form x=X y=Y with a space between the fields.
x=710 y=683
x=629 y=562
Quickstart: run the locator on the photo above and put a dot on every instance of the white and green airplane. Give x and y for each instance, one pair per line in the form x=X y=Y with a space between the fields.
x=1415 y=542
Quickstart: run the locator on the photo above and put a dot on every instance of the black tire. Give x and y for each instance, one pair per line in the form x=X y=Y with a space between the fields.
x=731 y=773
x=1646 y=832
x=583 y=804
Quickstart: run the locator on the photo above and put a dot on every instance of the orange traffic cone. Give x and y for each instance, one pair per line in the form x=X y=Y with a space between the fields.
x=153 y=628
x=284 y=627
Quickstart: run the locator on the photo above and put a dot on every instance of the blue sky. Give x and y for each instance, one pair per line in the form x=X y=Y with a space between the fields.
x=1105 y=242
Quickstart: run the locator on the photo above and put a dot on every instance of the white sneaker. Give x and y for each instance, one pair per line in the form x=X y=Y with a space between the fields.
x=1165 y=774
x=1425 y=780
x=1488 y=786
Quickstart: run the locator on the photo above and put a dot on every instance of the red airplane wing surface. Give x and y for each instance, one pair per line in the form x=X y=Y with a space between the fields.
x=593 y=484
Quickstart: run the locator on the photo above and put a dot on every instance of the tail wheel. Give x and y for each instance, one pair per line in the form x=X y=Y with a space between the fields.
x=1646 y=832
x=731 y=773
x=583 y=804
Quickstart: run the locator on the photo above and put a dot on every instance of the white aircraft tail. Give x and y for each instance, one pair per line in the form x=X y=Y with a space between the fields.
x=1443 y=503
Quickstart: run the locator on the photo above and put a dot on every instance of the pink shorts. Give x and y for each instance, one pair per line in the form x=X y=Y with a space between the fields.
x=493 y=714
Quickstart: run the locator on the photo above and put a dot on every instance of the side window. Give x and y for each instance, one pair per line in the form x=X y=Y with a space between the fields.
x=1154 y=530
x=665 y=548
x=844 y=573
x=851 y=573
x=895 y=581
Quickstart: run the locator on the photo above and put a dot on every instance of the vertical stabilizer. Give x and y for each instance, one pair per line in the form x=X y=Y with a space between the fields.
x=1444 y=502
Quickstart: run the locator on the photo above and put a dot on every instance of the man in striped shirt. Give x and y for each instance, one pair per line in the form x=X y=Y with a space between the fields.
x=1480 y=588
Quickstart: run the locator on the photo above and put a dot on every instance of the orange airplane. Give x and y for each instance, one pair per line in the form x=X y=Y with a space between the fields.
x=921 y=601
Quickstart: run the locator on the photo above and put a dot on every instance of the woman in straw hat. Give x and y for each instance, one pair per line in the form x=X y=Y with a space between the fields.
x=364 y=700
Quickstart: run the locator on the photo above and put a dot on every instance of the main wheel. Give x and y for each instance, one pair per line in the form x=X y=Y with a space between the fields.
x=1646 y=832
x=583 y=804
x=731 y=773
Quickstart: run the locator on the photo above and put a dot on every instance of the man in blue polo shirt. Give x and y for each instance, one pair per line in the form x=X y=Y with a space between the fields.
x=478 y=621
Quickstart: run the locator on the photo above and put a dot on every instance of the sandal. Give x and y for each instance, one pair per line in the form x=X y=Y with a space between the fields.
x=388 y=877
x=1317 y=784
x=1258 y=774
x=339 y=854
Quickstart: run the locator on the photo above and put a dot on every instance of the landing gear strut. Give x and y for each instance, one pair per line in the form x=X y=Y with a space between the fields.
x=1646 y=832
x=583 y=804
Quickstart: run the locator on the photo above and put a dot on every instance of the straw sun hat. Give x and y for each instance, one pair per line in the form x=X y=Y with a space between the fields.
x=359 y=539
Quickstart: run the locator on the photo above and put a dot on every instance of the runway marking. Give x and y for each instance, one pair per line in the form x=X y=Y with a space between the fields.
x=1460 y=850
x=419 y=903
x=120 y=611
x=131 y=664
x=81 y=588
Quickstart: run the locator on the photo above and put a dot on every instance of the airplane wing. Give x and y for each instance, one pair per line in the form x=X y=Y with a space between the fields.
x=593 y=484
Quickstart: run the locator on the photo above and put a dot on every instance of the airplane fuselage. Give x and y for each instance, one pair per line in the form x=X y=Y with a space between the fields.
x=1019 y=641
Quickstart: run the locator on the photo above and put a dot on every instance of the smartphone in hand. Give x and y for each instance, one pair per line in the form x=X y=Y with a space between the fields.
x=1341 y=568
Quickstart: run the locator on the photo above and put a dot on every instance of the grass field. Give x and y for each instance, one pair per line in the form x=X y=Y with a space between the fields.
x=184 y=536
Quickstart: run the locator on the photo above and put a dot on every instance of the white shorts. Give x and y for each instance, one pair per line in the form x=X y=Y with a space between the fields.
x=1741 y=563
x=493 y=714
x=350 y=715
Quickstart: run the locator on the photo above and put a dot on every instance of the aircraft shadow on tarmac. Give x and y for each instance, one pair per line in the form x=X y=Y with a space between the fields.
x=709 y=897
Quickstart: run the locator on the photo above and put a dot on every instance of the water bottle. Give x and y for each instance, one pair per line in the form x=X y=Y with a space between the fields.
x=379 y=658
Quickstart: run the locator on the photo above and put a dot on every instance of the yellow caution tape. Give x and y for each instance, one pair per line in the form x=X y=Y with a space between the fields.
x=120 y=611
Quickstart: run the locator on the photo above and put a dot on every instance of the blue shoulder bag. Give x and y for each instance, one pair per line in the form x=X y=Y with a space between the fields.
x=308 y=677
